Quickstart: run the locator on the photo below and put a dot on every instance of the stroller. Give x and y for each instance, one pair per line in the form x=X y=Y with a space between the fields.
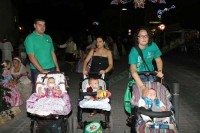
x=54 y=119
x=87 y=106
x=135 y=120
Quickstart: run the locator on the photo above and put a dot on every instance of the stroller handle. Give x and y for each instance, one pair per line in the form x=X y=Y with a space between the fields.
x=93 y=73
x=147 y=73
x=150 y=113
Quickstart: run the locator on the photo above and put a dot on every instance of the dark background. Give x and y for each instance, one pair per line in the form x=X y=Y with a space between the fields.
x=78 y=15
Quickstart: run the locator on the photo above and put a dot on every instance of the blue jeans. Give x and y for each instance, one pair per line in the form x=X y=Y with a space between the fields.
x=147 y=78
x=35 y=72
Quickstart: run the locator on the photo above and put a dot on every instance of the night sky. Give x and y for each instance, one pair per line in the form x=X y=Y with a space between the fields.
x=73 y=15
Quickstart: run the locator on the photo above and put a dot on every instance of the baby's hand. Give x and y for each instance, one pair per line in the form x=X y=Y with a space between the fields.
x=40 y=91
x=163 y=108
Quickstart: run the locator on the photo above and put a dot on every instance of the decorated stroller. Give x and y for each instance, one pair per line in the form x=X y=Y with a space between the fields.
x=49 y=114
x=87 y=106
x=135 y=113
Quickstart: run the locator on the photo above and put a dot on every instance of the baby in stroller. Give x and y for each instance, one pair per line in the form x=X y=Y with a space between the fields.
x=152 y=111
x=150 y=102
x=98 y=101
x=50 y=98
x=93 y=96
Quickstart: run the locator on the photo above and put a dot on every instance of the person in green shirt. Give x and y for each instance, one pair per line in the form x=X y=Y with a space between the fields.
x=40 y=50
x=144 y=40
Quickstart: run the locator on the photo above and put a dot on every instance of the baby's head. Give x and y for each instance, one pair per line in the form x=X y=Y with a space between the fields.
x=6 y=64
x=94 y=83
x=51 y=82
x=151 y=94
x=16 y=62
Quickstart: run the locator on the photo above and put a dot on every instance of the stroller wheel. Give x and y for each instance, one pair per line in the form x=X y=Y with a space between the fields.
x=109 y=126
x=34 y=127
x=75 y=125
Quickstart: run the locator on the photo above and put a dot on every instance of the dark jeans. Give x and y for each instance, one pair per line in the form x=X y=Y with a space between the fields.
x=35 y=72
x=148 y=78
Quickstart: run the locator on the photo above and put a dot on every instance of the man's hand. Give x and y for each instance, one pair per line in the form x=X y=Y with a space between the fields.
x=44 y=71
x=57 y=69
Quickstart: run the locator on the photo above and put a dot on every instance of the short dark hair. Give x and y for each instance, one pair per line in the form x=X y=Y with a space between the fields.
x=38 y=19
x=149 y=32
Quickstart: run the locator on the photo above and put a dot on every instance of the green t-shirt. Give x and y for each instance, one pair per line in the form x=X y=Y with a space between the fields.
x=149 y=53
x=42 y=48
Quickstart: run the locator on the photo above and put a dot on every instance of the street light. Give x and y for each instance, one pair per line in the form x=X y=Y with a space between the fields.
x=120 y=19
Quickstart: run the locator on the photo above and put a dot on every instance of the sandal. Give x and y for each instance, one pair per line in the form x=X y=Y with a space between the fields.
x=93 y=113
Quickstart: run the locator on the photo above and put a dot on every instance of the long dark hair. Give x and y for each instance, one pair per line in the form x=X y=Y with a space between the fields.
x=149 y=33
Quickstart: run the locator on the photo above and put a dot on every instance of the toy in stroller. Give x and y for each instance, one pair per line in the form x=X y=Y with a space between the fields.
x=93 y=97
x=153 y=118
x=49 y=107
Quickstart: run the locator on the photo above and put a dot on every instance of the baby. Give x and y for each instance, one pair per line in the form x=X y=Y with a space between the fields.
x=150 y=102
x=102 y=95
x=94 y=87
x=51 y=90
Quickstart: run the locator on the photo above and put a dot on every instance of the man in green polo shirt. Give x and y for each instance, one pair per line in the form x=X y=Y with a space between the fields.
x=40 y=50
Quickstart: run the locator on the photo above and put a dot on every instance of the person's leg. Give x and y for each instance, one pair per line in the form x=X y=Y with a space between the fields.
x=34 y=74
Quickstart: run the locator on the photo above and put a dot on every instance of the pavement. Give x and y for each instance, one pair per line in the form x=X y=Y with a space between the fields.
x=178 y=68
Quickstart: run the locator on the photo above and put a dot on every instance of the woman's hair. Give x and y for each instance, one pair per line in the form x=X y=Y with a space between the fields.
x=149 y=33
x=100 y=36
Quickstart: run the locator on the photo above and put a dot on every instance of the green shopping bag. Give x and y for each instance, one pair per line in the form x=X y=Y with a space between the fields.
x=128 y=97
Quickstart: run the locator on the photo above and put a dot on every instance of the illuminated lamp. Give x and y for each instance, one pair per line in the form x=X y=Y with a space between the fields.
x=161 y=26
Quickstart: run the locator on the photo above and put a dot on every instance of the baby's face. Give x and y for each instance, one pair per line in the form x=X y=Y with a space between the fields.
x=8 y=66
x=51 y=83
x=94 y=83
x=151 y=94
x=16 y=63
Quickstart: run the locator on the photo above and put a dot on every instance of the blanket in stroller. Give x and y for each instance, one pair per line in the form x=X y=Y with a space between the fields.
x=49 y=104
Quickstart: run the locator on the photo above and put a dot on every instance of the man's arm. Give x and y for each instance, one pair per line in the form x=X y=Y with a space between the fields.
x=63 y=45
x=55 y=61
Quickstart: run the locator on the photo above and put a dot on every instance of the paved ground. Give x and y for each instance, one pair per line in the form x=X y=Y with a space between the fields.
x=178 y=68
